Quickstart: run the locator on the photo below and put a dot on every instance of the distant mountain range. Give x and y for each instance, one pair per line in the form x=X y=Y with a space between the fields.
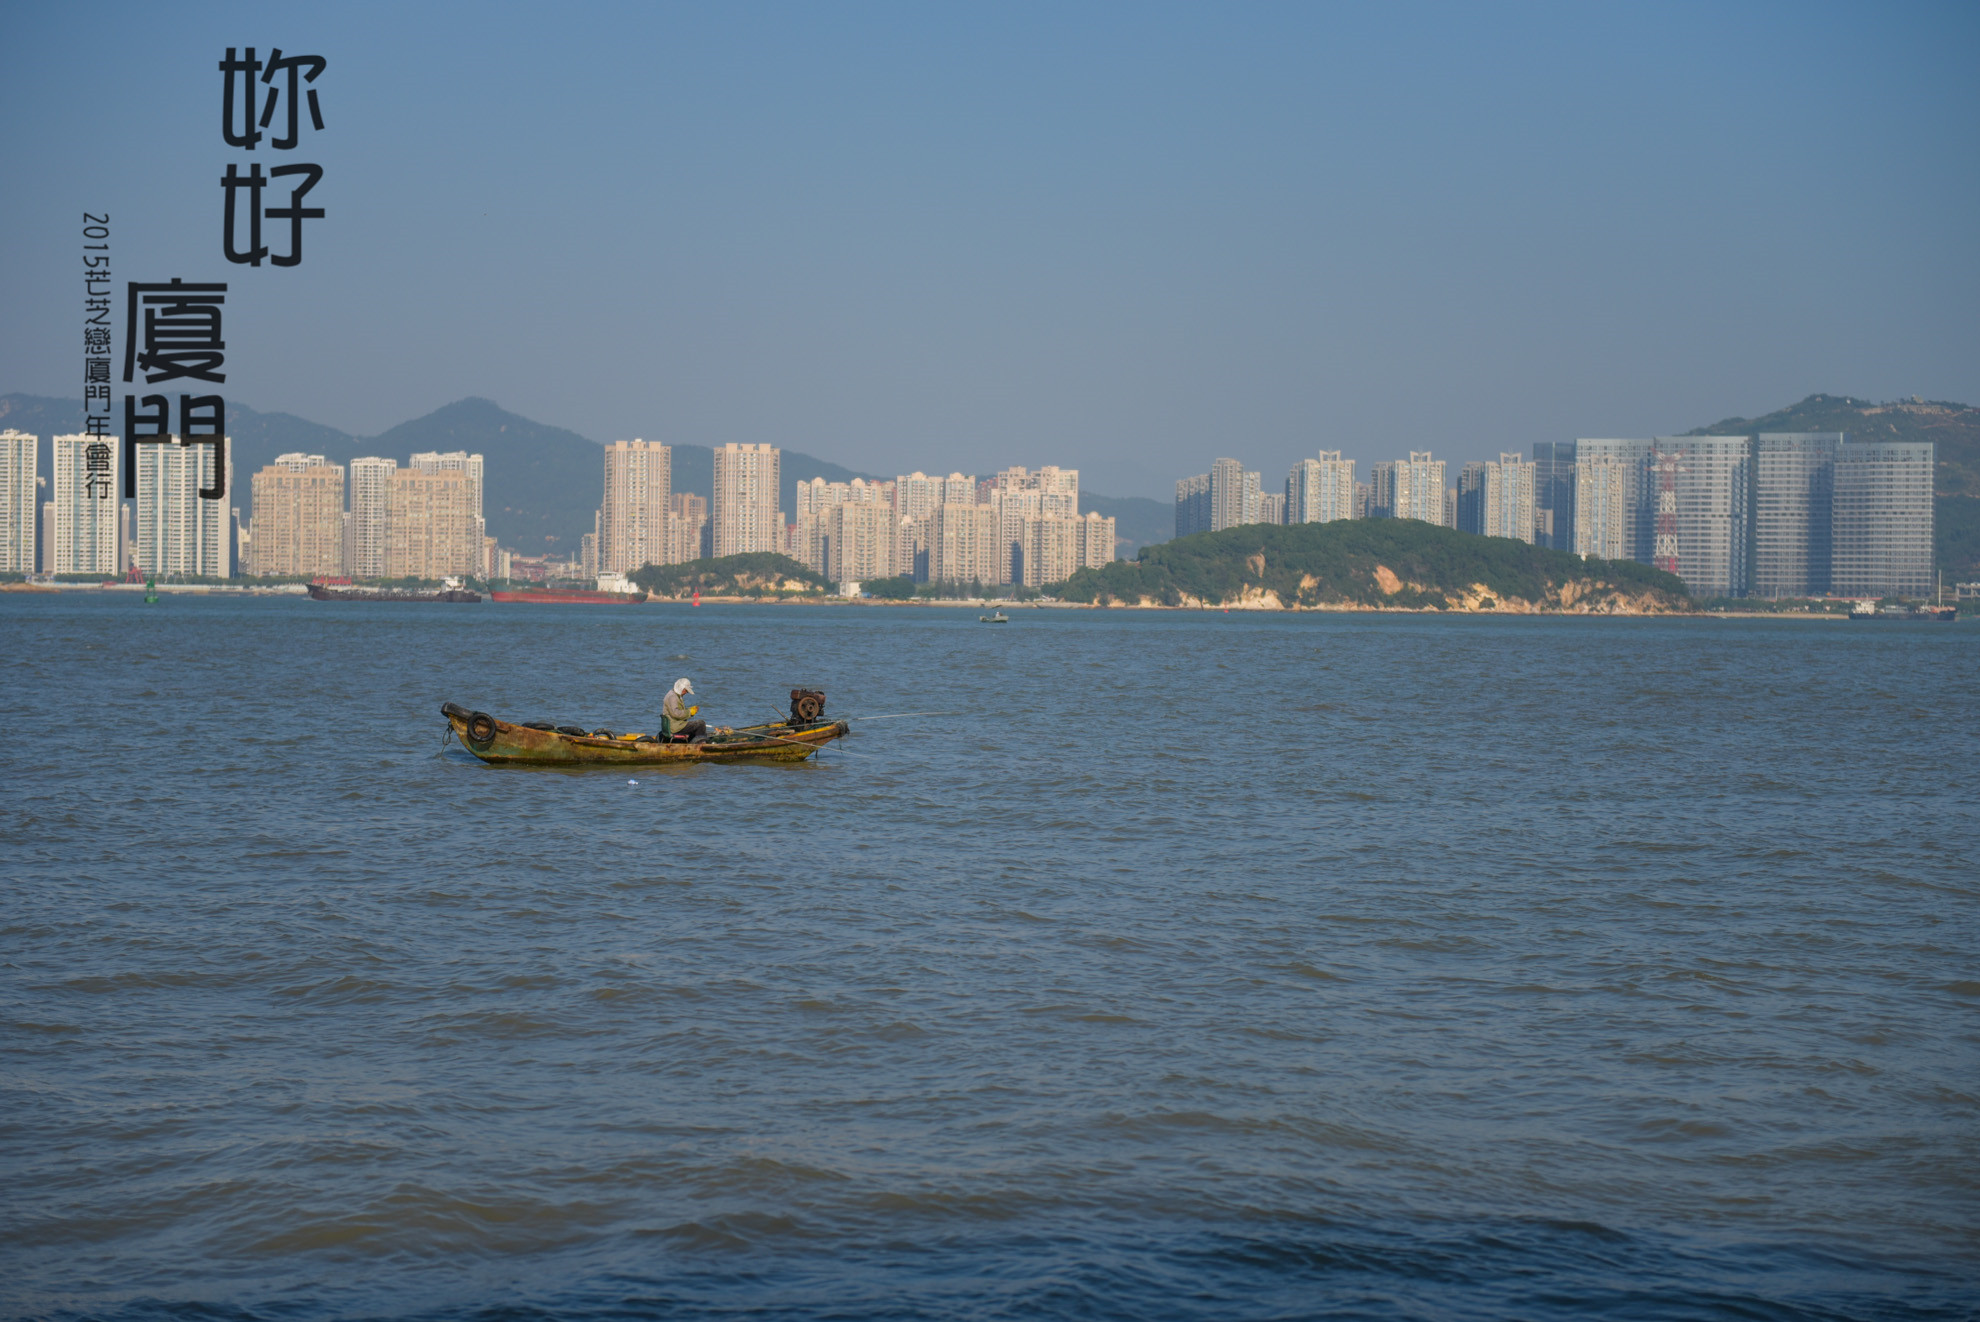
x=544 y=482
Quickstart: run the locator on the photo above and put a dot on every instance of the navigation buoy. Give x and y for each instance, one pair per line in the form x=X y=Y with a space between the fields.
x=697 y=596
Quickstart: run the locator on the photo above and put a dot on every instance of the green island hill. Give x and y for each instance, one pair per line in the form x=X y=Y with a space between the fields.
x=752 y=574
x=1363 y=564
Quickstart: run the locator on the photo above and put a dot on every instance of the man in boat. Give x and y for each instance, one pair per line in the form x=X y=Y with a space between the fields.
x=678 y=721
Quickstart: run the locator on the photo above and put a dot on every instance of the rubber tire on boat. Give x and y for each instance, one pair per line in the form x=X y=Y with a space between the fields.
x=538 y=725
x=480 y=728
x=572 y=729
x=603 y=734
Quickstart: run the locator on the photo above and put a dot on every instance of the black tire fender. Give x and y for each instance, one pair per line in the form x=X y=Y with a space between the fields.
x=480 y=728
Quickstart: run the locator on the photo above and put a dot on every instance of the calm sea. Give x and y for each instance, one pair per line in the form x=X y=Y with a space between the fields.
x=1190 y=965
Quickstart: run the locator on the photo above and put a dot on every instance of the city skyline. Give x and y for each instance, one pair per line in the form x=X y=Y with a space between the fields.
x=1767 y=514
x=1150 y=485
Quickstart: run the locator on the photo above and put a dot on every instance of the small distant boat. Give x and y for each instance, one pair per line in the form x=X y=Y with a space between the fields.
x=998 y=618
x=1870 y=610
x=570 y=596
x=450 y=590
x=540 y=743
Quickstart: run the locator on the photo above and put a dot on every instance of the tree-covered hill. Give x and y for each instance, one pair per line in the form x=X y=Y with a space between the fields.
x=753 y=574
x=1373 y=562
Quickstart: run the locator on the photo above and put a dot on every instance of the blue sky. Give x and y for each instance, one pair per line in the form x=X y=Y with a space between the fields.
x=1129 y=238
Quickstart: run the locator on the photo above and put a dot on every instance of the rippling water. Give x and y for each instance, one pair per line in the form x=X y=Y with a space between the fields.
x=1200 y=966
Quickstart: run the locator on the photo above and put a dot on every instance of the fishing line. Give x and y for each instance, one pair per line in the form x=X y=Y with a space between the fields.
x=895 y=716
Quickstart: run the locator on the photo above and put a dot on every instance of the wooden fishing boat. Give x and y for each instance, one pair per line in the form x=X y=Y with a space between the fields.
x=541 y=744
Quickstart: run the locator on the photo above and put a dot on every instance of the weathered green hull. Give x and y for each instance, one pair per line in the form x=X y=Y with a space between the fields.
x=519 y=745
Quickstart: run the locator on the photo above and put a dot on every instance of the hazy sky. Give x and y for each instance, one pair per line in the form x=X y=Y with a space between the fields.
x=1129 y=238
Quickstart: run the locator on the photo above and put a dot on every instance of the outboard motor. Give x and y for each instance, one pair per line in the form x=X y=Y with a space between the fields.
x=807 y=705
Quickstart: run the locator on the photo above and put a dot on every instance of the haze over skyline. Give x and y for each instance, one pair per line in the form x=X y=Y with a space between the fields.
x=1125 y=240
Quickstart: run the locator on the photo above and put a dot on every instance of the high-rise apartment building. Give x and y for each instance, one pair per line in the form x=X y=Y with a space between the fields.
x=1553 y=494
x=912 y=550
x=1471 y=498
x=1509 y=499
x=1411 y=488
x=1320 y=490
x=632 y=521
x=1193 y=505
x=810 y=540
x=1615 y=474
x=371 y=514
x=1606 y=492
x=431 y=530
x=916 y=495
x=180 y=531
x=1099 y=540
x=746 y=511
x=1713 y=486
x=1234 y=495
x=457 y=461
x=1793 y=481
x=84 y=504
x=861 y=537
x=818 y=528
x=1880 y=519
x=1272 y=507
x=1060 y=483
x=916 y=498
x=1496 y=499
x=298 y=525
x=1225 y=497
x=1021 y=495
x=963 y=546
x=687 y=528
x=1051 y=551
x=20 y=456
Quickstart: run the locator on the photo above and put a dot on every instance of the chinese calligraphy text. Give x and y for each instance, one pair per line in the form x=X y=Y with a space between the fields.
x=240 y=127
x=96 y=331
x=178 y=336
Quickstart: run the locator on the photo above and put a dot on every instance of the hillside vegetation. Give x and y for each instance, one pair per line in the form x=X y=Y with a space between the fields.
x=1393 y=563
x=754 y=574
